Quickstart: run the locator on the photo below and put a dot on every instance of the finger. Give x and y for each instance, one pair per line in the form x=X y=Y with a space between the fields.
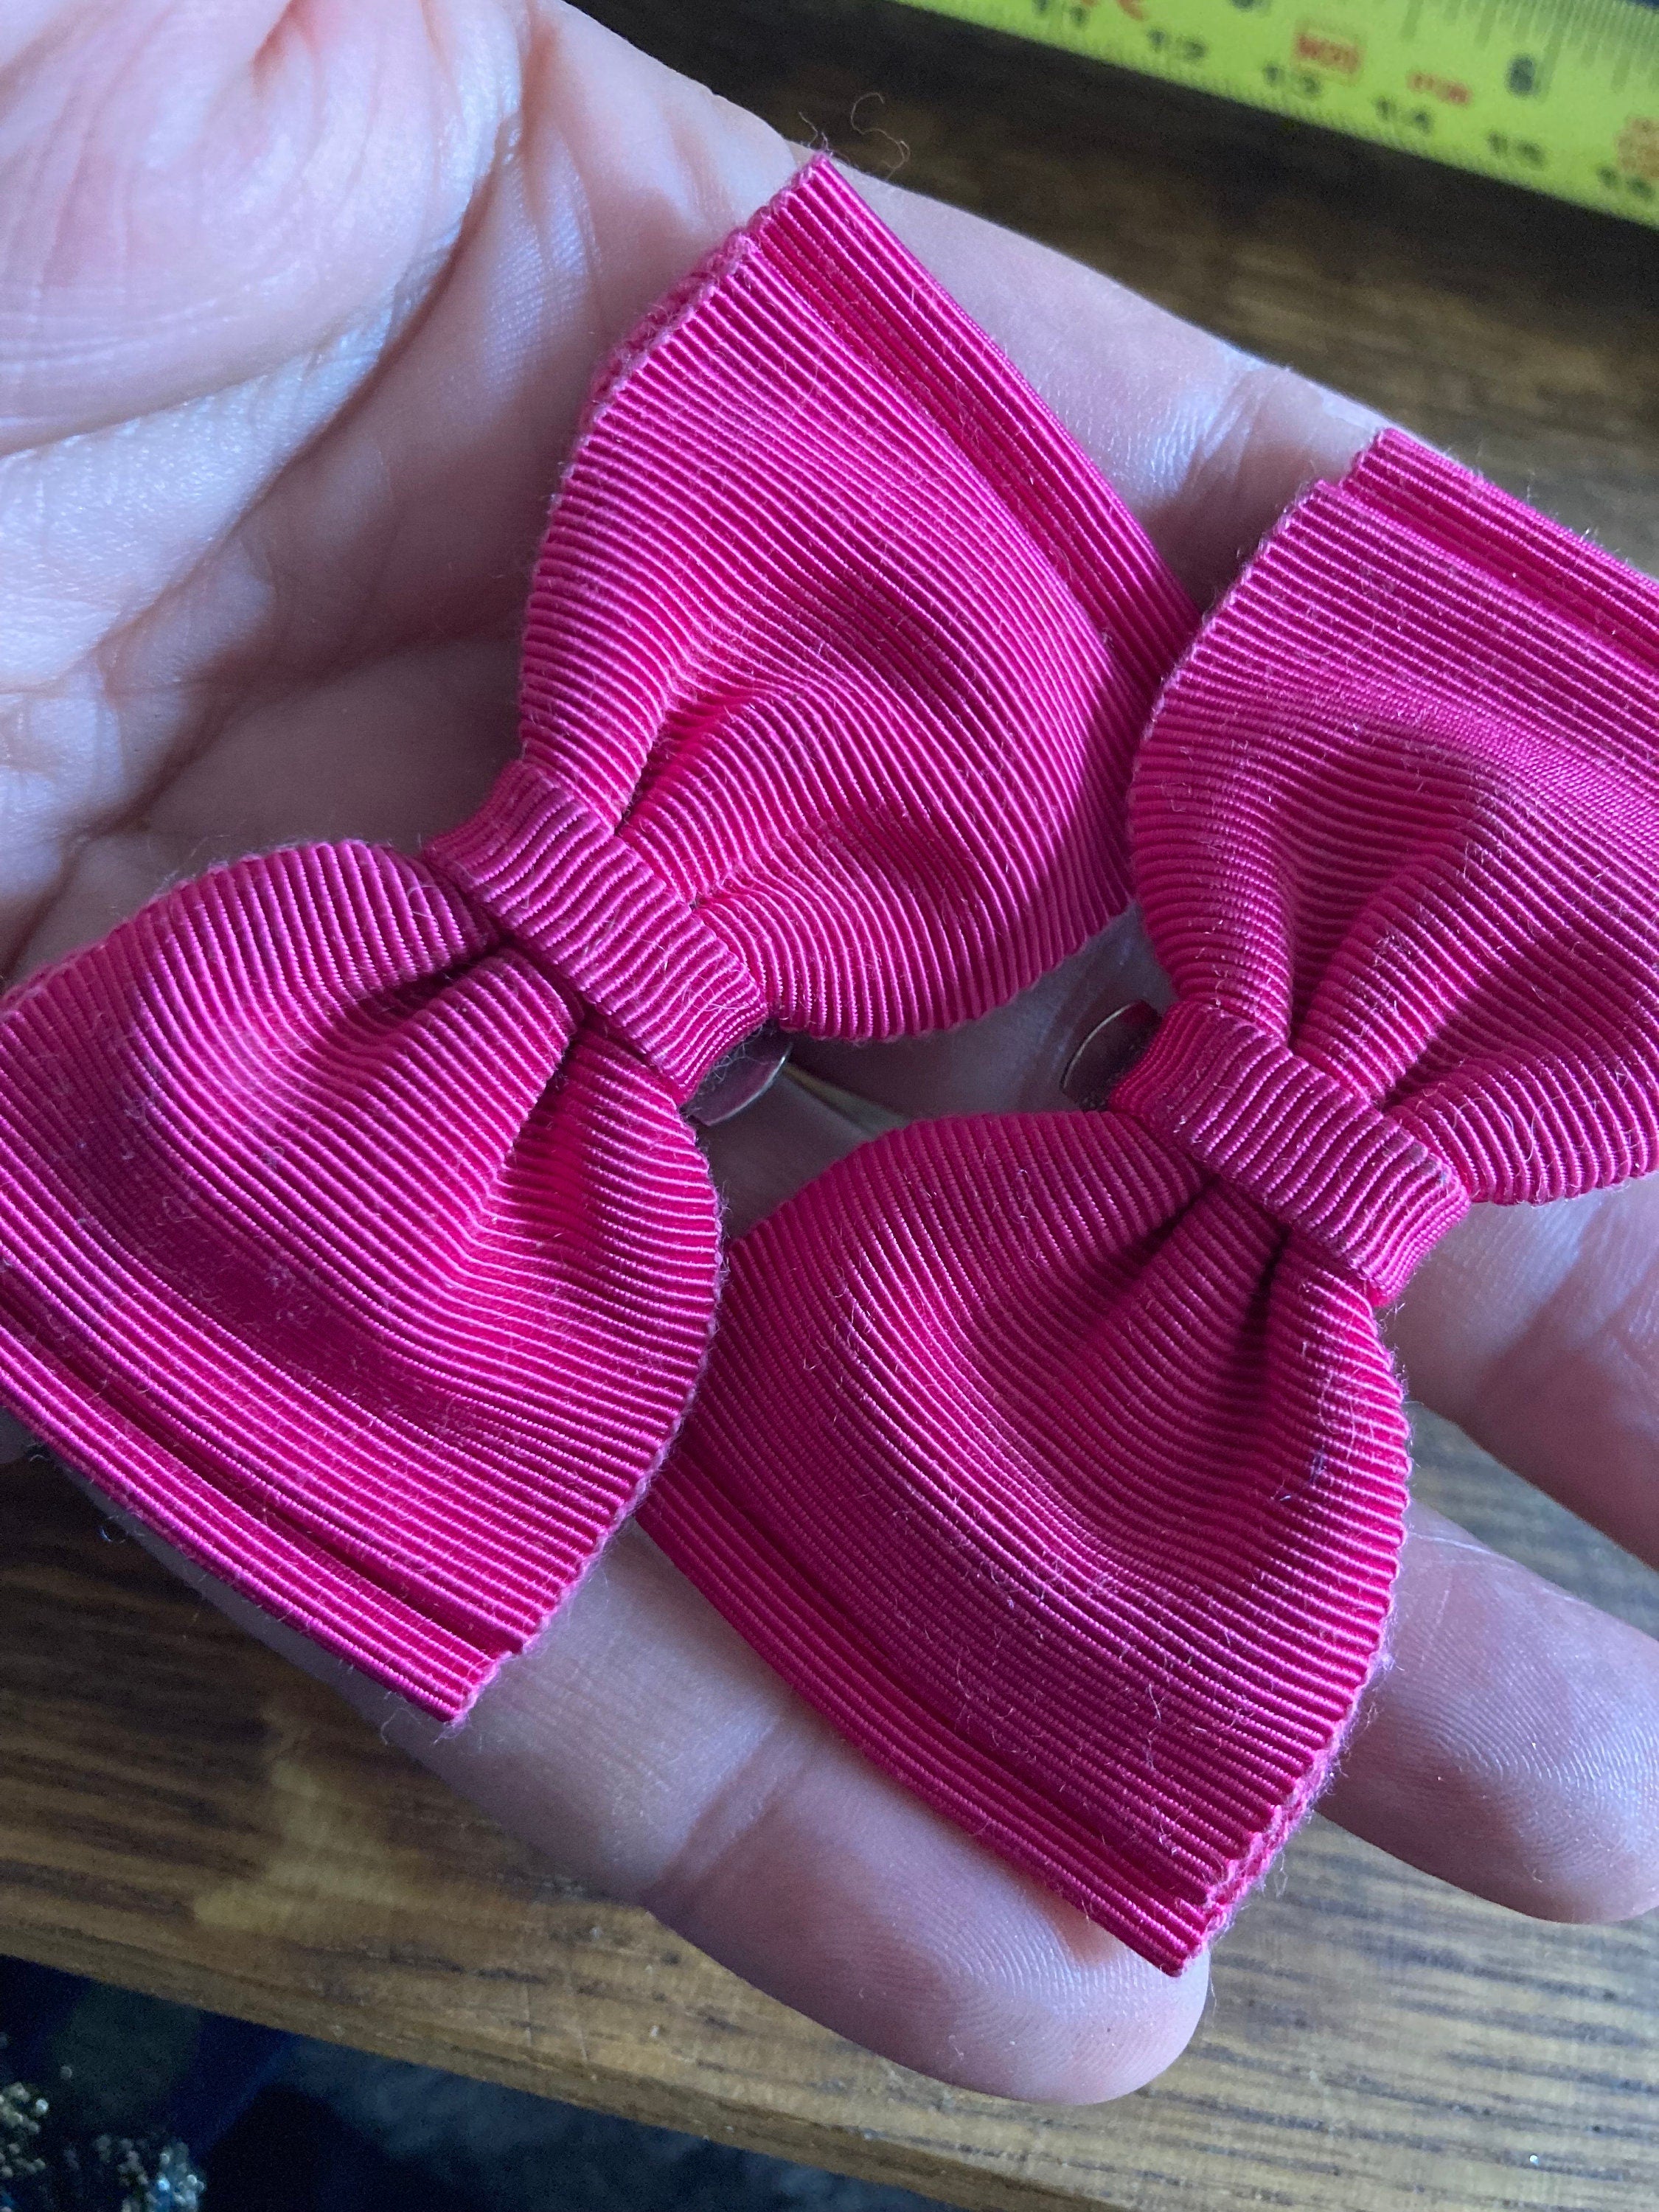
x=1207 y=444
x=1536 y=1329
x=650 y=1754
x=1511 y=1744
x=623 y=176
x=395 y=480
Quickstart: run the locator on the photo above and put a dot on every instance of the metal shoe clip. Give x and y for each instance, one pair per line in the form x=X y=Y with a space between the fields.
x=1107 y=1052
x=740 y=1077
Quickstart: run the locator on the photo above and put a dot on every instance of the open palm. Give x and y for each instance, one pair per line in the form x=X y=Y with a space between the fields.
x=297 y=308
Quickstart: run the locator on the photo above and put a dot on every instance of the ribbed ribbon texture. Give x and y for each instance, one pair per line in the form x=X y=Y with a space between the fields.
x=350 y=1232
x=1057 y=1459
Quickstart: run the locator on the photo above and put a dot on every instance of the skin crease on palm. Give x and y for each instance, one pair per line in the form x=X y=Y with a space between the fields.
x=297 y=308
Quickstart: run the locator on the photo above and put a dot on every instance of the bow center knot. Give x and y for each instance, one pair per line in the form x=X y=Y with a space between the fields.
x=592 y=911
x=1296 y=1141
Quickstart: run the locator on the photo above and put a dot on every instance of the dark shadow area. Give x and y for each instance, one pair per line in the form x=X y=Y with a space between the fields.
x=113 y=2102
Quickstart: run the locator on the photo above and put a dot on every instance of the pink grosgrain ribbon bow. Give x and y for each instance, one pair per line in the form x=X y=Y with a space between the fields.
x=1058 y=1459
x=350 y=1232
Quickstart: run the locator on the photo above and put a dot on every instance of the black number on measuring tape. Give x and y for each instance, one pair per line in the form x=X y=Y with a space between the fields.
x=1638 y=188
x=1303 y=81
x=1177 y=49
x=1420 y=120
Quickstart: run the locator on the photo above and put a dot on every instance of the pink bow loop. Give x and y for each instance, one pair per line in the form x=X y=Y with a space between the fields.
x=1057 y=1459
x=350 y=1235
x=845 y=635
x=1400 y=810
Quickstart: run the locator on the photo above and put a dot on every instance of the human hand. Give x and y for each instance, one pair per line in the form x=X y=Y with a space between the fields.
x=297 y=308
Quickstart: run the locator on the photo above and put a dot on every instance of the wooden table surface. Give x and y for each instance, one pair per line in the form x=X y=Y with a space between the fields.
x=182 y=1813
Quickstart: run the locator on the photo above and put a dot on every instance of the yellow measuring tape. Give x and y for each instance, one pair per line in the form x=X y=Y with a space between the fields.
x=1559 y=94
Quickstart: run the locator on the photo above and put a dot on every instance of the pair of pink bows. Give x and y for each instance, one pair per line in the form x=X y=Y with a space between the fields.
x=353 y=1236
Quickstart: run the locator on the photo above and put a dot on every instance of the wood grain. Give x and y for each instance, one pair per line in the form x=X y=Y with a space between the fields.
x=1517 y=331
x=182 y=1813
